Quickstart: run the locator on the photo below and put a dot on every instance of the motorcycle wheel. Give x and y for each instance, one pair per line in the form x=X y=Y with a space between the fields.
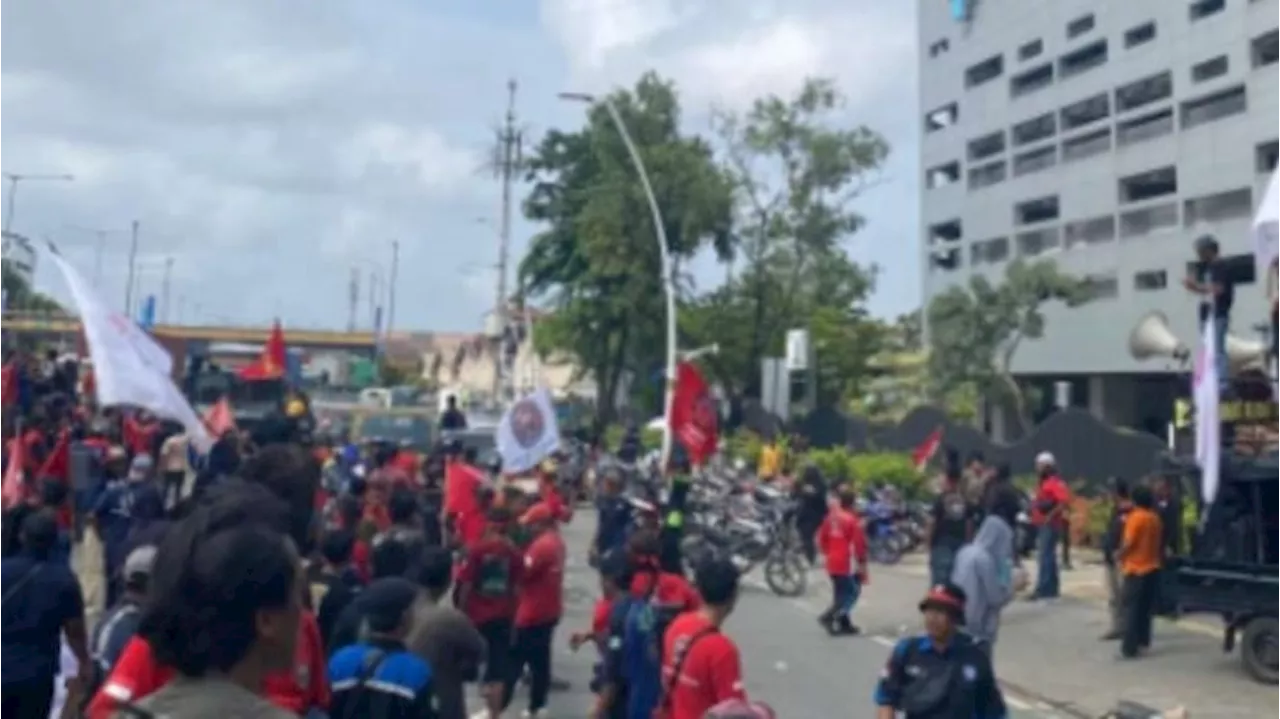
x=786 y=574
x=884 y=552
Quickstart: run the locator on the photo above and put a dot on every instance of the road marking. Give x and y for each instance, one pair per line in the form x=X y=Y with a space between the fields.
x=884 y=641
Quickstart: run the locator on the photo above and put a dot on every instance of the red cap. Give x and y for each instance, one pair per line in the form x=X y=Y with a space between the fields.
x=943 y=597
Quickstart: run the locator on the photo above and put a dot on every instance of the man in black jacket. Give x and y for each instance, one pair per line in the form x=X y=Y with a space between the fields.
x=1120 y=507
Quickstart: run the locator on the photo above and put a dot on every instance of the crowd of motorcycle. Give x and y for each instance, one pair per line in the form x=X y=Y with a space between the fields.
x=730 y=513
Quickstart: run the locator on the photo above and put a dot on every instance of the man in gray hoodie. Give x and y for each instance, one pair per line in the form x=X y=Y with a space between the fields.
x=984 y=570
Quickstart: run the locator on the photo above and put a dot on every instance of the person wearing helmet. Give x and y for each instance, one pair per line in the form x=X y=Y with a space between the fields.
x=1048 y=514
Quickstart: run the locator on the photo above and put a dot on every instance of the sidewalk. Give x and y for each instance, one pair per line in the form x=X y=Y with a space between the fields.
x=1050 y=653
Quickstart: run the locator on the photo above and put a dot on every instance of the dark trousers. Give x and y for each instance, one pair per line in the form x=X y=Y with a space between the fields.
x=808 y=530
x=31 y=699
x=845 y=590
x=1139 y=597
x=173 y=487
x=532 y=649
x=1066 y=549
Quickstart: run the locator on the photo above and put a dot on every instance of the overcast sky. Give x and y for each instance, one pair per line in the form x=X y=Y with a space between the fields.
x=270 y=146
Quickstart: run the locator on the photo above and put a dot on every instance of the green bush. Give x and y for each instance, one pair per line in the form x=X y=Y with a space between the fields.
x=892 y=468
x=744 y=445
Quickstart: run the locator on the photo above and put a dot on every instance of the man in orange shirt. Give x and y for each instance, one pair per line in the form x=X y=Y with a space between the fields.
x=844 y=545
x=1139 y=556
x=702 y=666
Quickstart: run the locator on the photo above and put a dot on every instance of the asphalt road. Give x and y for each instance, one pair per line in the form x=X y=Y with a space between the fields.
x=790 y=662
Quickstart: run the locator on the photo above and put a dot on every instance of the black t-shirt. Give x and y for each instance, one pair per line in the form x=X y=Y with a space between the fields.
x=1216 y=272
x=453 y=419
x=952 y=515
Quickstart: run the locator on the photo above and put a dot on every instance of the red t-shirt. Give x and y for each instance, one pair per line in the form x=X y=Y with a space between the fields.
x=542 y=585
x=600 y=616
x=551 y=497
x=1052 y=491
x=461 y=485
x=842 y=540
x=710 y=673
x=138 y=674
x=489 y=574
x=406 y=461
x=673 y=591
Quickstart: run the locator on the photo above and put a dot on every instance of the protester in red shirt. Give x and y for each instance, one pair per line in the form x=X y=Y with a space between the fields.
x=541 y=604
x=491 y=569
x=670 y=592
x=1048 y=512
x=701 y=665
x=844 y=545
x=462 y=484
x=549 y=491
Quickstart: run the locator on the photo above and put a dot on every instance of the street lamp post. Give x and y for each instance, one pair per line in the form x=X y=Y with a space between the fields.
x=99 y=250
x=668 y=276
x=12 y=195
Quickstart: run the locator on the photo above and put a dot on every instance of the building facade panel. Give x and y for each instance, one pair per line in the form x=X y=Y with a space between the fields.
x=1112 y=162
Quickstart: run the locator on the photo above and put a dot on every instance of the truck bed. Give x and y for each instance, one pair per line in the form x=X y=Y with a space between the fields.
x=1225 y=587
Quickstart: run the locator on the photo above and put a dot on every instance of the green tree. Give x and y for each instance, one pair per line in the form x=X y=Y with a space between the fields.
x=596 y=262
x=796 y=174
x=20 y=296
x=975 y=331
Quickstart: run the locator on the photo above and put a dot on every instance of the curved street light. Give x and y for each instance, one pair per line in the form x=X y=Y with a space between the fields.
x=12 y=196
x=668 y=274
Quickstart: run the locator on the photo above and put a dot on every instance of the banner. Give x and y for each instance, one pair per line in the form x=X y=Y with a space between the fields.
x=695 y=420
x=1207 y=393
x=129 y=368
x=528 y=432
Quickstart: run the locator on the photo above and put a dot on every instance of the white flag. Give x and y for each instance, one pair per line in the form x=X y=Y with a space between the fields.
x=528 y=432
x=129 y=368
x=1207 y=396
x=1266 y=227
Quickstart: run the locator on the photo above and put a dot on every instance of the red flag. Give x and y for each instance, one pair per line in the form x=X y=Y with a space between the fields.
x=219 y=419
x=9 y=386
x=271 y=364
x=929 y=447
x=694 y=419
x=57 y=466
x=15 y=488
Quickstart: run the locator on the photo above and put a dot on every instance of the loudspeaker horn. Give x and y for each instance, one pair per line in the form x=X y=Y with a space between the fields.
x=1151 y=337
x=1245 y=354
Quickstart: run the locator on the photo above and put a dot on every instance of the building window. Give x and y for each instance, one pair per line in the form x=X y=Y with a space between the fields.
x=1086 y=145
x=1082 y=60
x=1201 y=9
x=1265 y=157
x=948 y=260
x=989 y=252
x=1264 y=49
x=1079 y=26
x=1094 y=231
x=1213 y=107
x=939 y=47
x=984 y=72
x=1218 y=207
x=1032 y=212
x=1035 y=161
x=1036 y=78
x=948 y=231
x=986 y=146
x=1146 y=127
x=1136 y=224
x=941 y=118
x=1037 y=128
x=1148 y=185
x=1140 y=35
x=942 y=175
x=1150 y=280
x=1038 y=242
x=1085 y=112
x=1209 y=69
x=1030 y=50
x=988 y=174
x=1102 y=286
x=1144 y=92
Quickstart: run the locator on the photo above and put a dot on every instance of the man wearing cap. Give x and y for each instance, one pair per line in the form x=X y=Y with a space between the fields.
x=1211 y=280
x=1048 y=514
x=941 y=673
x=380 y=678
x=488 y=575
x=540 y=607
x=120 y=623
x=114 y=517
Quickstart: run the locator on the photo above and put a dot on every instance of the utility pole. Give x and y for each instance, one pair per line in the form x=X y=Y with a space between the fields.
x=375 y=283
x=391 y=285
x=353 y=299
x=164 y=290
x=133 y=267
x=11 y=197
x=508 y=156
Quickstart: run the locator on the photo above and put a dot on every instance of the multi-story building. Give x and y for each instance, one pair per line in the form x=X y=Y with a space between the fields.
x=1106 y=135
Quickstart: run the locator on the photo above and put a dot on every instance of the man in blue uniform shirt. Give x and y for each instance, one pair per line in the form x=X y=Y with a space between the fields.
x=943 y=673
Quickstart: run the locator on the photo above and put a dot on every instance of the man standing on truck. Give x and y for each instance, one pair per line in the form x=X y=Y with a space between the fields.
x=452 y=418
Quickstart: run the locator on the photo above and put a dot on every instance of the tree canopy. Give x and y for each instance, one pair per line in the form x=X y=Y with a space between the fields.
x=21 y=296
